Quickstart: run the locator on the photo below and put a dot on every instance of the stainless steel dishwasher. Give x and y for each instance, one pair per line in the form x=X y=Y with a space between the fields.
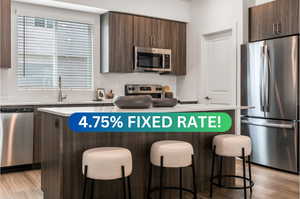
x=16 y=136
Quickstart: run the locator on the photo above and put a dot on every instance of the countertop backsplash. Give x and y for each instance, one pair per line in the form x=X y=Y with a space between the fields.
x=9 y=93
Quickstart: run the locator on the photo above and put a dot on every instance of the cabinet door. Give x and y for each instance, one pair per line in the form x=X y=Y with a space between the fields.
x=143 y=28
x=121 y=42
x=262 y=22
x=178 y=46
x=5 y=34
x=37 y=137
x=287 y=17
x=161 y=33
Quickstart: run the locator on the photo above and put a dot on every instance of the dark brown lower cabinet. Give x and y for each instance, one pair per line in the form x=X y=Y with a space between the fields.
x=38 y=128
x=37 y=138
x=62 y=151
x=5 y=33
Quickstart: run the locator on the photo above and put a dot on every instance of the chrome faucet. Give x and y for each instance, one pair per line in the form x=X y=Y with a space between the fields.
x=61 y=97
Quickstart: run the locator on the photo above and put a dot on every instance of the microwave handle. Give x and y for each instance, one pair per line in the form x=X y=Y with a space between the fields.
x=163 y=66
x=135 y=58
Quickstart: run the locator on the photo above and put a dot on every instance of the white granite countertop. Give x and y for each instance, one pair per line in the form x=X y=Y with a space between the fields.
x=31 y=103
x=67 y=111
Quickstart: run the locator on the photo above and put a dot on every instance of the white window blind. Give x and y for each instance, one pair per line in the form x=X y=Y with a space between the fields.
x=50 y=48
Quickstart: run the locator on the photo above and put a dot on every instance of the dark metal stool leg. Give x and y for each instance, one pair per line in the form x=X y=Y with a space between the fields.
x=124 y=182
x=180 y=183
x=212 y=172
x=244 y=173
x=92 y=189
x=85 y=181
x=250 y=174
x=129 y=187
x=194 y=177
x=150 y=180
x=161 y=176
x=220 y=170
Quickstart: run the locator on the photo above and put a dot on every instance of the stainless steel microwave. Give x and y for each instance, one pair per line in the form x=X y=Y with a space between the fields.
x=152 y=59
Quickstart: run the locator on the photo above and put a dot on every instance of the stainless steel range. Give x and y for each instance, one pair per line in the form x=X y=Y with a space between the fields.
x=155 y=90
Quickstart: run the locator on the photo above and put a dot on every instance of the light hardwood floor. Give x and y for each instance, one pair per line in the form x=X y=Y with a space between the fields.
x=21 y=185
x=269 y=184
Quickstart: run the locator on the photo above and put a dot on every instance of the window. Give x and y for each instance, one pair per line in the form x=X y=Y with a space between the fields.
x=50 y=48
x=43 y=23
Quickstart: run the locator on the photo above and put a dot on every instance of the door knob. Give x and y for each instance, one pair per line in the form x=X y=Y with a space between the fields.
x=207 y=98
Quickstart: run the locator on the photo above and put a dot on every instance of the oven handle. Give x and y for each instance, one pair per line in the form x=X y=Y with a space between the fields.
x=281 y=126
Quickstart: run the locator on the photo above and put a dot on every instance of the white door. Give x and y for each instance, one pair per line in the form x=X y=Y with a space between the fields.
x=219 y=67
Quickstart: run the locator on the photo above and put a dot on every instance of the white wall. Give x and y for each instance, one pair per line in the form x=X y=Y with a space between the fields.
x=209 y=16
x=171 y=9
x=258 y=2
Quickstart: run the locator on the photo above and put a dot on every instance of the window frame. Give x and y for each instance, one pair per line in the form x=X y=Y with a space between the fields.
x=22 y=9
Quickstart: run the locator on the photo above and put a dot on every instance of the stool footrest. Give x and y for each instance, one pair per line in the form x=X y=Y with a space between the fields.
x=251 y=183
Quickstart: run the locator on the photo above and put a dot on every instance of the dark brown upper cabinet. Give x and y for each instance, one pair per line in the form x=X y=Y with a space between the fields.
x=116 y=43
x=120 y=33
x=5 y=34
x=177 y=39
x=143 y=31
x=162 y=36
x=287 y=17
x=151 y=32
x=275 y=19
x=261 y=22
x=160 y=33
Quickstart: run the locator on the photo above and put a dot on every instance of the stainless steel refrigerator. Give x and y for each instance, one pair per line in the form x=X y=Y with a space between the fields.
x=270 y=83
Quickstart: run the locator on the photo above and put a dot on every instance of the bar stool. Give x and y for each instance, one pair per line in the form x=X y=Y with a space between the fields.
x=231 y=146
x=107 y=163
x=172 y=154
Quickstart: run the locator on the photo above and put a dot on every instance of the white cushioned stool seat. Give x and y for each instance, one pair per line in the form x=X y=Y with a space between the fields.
x=105 y=163
x=175 y=154
x=231 y=145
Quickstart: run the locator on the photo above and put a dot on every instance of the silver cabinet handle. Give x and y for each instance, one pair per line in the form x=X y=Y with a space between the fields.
x=274 y=28
x=281 y=126
x=152 y=41
x=278 y=30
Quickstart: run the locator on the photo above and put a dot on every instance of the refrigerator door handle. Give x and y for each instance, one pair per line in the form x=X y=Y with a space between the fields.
x=281 y=126
x=261 y=84
x=267 y=66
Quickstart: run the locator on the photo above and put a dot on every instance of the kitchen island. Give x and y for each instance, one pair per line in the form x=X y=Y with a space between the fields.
x=62 y=153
